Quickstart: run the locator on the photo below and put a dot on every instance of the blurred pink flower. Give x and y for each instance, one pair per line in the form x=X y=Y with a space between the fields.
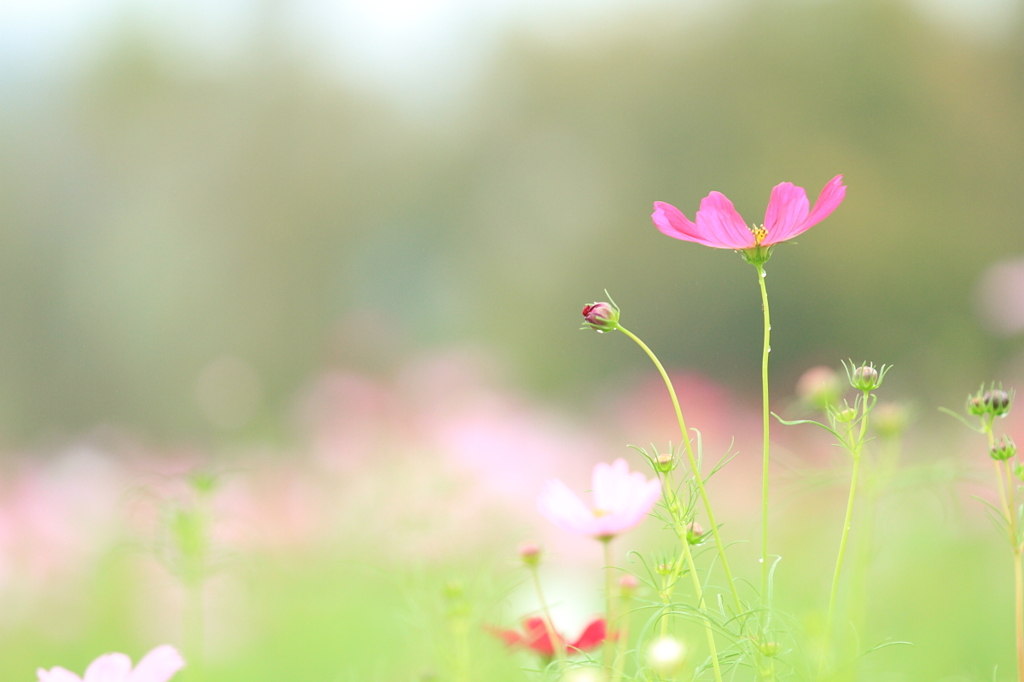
x=719 y=225
x=621 y=501
x=159 y=665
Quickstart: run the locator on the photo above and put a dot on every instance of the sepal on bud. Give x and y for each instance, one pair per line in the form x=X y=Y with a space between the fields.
x=695 y=533
x=1004 y=449
x=866 y=377
x=601 y=316
x=997 y=401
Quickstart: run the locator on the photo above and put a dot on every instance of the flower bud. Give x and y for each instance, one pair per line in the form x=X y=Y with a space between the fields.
x=890 y=420
x=847 y=414
x=663 y=569
x=628 y=584
x=1004 y=449
x=665 y=462
x=529 y=552
x=976 y=405
x=819 y=387
x=694 y=533
x=666 y=656
x=601 y=316
x=769 y=649
x=997 y=401
x=865 y=378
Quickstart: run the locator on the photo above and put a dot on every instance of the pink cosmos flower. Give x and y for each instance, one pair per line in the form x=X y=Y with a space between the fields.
x=159 y=665
x=621 y=501
x=719 y=225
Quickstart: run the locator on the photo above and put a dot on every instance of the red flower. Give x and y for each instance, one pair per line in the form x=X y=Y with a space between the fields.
x=535 y=636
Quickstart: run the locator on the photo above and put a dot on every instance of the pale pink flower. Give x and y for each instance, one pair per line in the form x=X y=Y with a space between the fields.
x=719 y=225
x=159 y=665
x=621 y=501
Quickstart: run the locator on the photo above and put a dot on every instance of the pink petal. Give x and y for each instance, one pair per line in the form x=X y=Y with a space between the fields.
x=787 y=210
x=670 y=221
x=563 y=508
x=159 y=665
x=720 y=225
x=608 y=485
x=109 y=668
x=831 y=196
x=57 y=674
x=592 y=636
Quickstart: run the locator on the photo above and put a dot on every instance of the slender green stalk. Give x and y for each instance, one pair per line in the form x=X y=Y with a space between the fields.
x=608 y=650
x=698 y=479
x=702 y=606
x=194 y=630
x=1019 y=612
x=672 y=500
x=856 y=447
x=766 y=349
x=549 y=626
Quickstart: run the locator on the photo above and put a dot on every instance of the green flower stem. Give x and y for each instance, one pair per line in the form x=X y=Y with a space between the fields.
x=692 y=568
x=766 y=349
x=608 y=650
x=1007 y=497
x=855 y=447
x=672 y=501
x=556 y=641
x=698 y=479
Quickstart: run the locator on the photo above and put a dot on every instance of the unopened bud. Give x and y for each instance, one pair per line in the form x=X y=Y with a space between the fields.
x=890 y=420
x=976 y=406
x=694 y=533
x=666 y=656
x=769 y=649
x=819 y=387
x=1004 y=449
x=665 y=462
x=865 y=378
x=997 y=401
x=846 y=415
x=664 y=569
x=628 y=584
x=529 y=552
x=601 y=316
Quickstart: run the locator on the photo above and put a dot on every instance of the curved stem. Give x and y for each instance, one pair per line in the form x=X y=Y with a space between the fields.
x=766 y=349
x=694 y=467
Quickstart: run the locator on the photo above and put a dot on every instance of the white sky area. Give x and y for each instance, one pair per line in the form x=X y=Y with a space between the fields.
x=402 y=46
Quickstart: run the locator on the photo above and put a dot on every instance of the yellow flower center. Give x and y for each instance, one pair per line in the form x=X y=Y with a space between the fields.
x=598 y=513
x=759 y=233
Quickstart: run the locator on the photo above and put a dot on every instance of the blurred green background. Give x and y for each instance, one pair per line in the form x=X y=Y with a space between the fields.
x=205 y=207
x=164 y=206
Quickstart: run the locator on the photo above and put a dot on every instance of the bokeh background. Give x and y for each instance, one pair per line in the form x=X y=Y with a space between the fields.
x=332 y=254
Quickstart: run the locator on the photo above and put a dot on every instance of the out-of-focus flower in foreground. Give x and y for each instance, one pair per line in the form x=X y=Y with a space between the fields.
x=535 y=637
x=159 y=665
x=719 y=224
x=621 y=501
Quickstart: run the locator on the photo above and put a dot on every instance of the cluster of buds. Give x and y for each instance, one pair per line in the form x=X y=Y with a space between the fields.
x=994 y=402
